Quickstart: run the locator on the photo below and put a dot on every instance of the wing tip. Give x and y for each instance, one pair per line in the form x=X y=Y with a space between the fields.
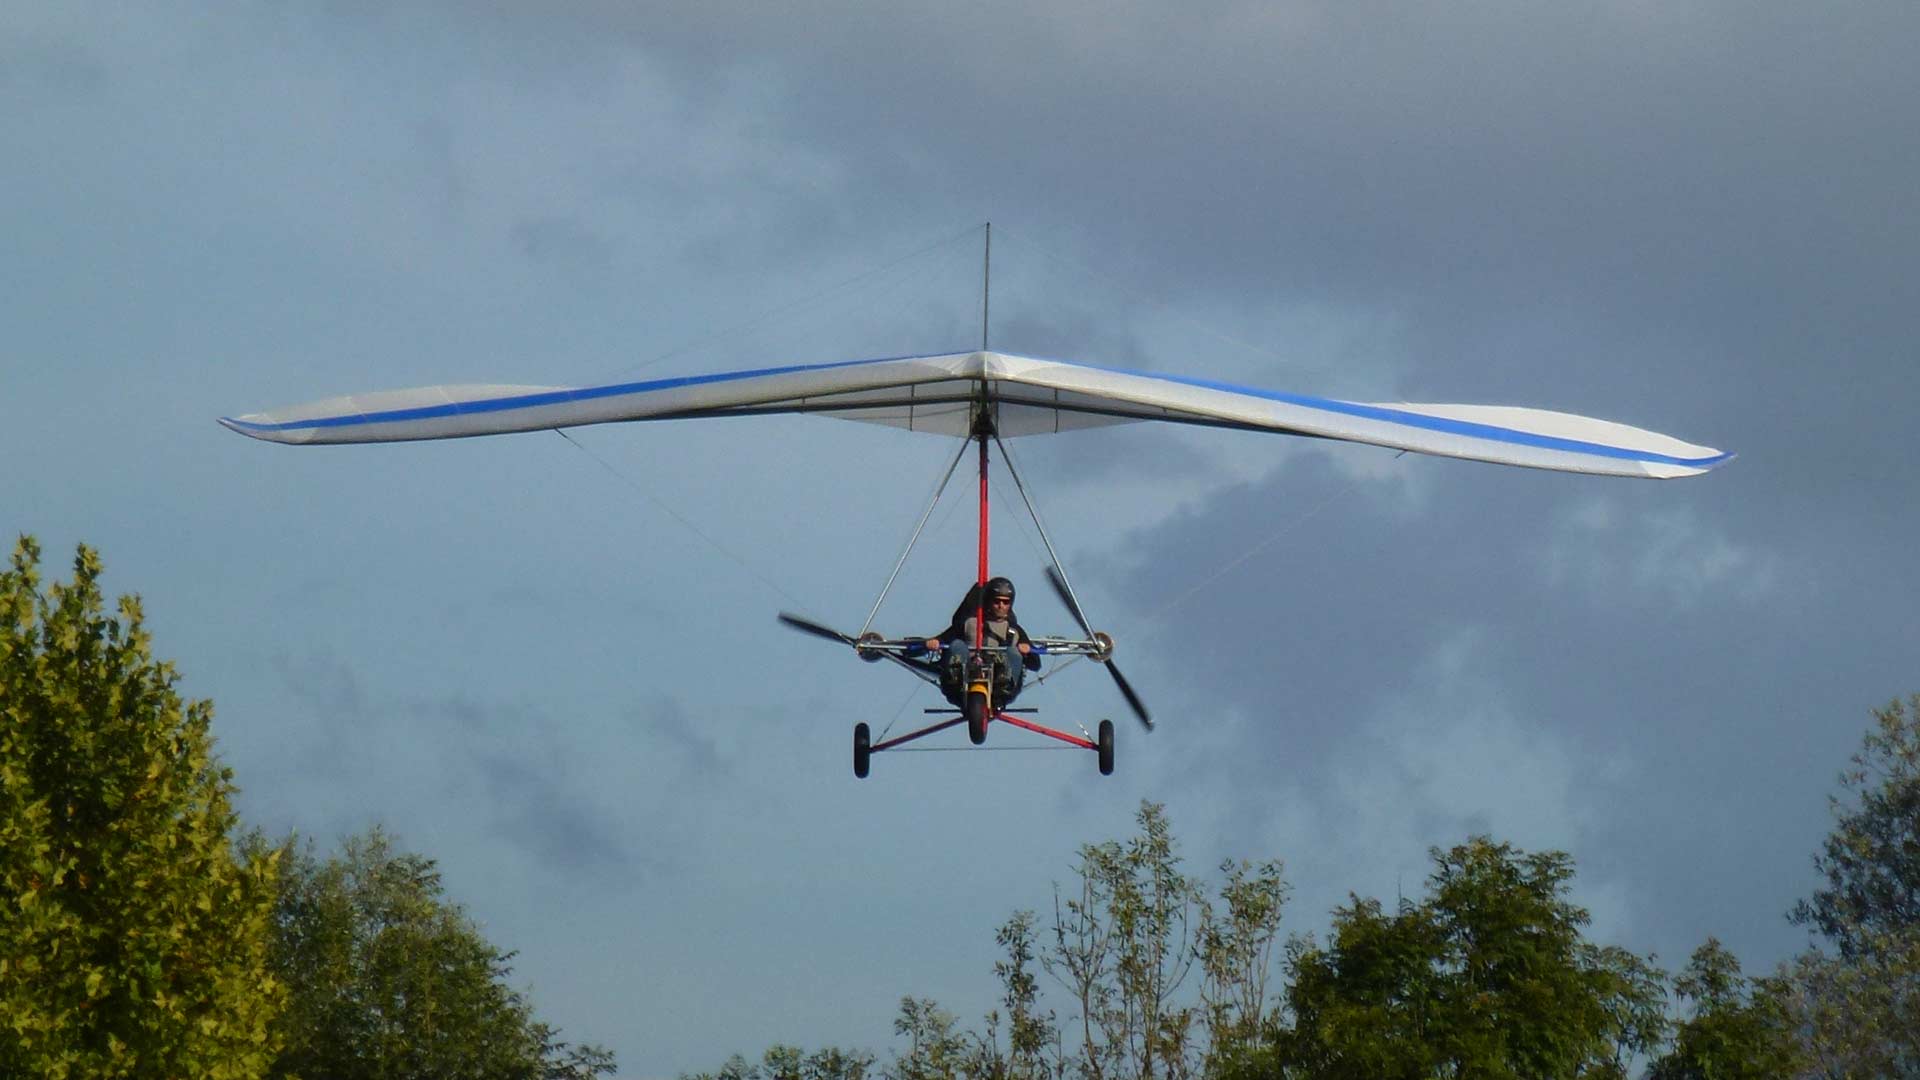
x=243 y=426
x=1701 y=465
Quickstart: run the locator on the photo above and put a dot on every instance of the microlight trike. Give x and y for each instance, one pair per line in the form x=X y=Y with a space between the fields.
x=983 y=396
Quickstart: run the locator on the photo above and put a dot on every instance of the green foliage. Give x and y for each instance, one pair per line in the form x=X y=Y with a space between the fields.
x=1490 y=976
x=793 y=1063
x=1855 y=1017
x=935 y=1050
x=391 y=980
x=1858 y=1013
x=1236 y=953
x=1871 y=860
x=133 y=942
x=1155 y=910
x=1125 y=943
x=1030 y=1031
x=1734 y=1033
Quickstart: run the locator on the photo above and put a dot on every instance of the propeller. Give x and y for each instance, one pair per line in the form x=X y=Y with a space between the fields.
x=921 y=668
x=1059 y=583
x=808 y=626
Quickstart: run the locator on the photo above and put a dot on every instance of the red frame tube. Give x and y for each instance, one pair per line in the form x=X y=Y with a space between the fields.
x=912 y=735
x=1042 y=729
x=980 y=612
x=979 y=643
x=1016 y=721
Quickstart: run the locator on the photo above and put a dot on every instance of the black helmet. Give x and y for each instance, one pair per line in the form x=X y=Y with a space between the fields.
x=1000 y=587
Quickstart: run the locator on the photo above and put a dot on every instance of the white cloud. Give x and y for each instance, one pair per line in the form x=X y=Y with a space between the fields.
x=1673 y=555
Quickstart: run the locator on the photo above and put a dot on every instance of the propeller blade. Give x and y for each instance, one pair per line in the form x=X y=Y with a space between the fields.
x=1059 y=584
x=1133 y=699
x=808 y=626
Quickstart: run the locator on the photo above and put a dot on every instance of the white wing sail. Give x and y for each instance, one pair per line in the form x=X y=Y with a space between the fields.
x=1028 y=396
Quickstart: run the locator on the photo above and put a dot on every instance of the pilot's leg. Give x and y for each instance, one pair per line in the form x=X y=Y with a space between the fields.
x=1014 y=671
x=953 y=672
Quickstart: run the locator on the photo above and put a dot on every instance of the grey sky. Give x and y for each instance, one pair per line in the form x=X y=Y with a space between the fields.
x=1697 y=218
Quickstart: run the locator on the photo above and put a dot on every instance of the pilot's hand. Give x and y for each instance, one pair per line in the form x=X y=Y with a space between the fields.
x=1024 y=648
x=933 y=644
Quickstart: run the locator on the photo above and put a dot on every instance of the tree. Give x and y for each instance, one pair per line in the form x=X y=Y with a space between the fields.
x=1490 y=976
x=133 y=940
x=1858 y=1012
x=1735 y=1033
x=793 y=1063
x=1125 y=945
x=390 y=979
x=1853 y=1018
x=1236 y=953
x=1871 y=860
x=935 y=1050
x=1030 y=1031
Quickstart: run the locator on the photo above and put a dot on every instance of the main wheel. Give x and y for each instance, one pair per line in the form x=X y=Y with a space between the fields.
x=1106 y=748
x=862 y=750
x=976 y=710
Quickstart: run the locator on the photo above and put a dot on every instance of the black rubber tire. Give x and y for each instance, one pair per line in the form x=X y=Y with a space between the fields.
x=976 y=710
x=862 y=750
x=1106 y=748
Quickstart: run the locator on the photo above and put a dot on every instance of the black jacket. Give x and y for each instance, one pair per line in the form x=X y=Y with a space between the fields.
x=969 y=607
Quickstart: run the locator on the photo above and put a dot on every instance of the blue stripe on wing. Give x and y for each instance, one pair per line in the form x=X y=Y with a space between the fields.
x=1420 y=420
x=551 y=397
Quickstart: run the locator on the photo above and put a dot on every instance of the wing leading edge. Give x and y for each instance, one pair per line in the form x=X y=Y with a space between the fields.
x=1029 y=396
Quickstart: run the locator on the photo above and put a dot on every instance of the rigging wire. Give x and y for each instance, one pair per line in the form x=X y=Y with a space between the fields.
x=1033 y=510
x=945 y=240
x=1227 y=568
x=1055 y=670
x=1020 y=524
x=737 y=329
x=1223 y=570
x=895 y=718
x=939 y=490
x=892 y=296
x=723 y=549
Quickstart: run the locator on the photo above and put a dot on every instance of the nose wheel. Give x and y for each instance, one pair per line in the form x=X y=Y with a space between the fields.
x=977 y=710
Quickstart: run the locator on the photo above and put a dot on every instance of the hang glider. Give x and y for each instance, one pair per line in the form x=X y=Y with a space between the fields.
x=1024 y=395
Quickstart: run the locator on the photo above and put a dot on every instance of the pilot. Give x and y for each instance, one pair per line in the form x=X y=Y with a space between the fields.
x=1003 y=631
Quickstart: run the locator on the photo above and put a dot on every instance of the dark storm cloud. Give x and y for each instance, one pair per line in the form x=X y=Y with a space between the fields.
x=703 y=762
x=1696 y=218
x=323 y=683
x=1625 y=211
x=1371 y=150
x=534 y=802
x=1701 y=220
x=1634 y=623
x=516 y=762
